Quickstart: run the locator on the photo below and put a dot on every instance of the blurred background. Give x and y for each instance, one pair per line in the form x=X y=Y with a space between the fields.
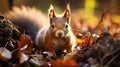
x=85 y=14
x=89 y=10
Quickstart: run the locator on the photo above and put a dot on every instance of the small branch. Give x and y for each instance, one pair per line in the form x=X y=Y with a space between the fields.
x=108 y=54
x=6 y=45
x=98 y=25
x=111 y=53
x=96 y=28
x=112 y=60
x=104 y=14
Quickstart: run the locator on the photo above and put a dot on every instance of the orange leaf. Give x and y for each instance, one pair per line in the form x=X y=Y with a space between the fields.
x=25 y=44
x=63 y=63
x=85 y=41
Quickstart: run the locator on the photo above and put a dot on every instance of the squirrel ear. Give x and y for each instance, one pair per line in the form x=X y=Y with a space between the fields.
x=67 y=12
x=51 y=12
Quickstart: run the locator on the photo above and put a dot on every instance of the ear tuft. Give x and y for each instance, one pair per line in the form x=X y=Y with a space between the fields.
x=51 y=12
x=67 y=13
x=51 y=7
x=68 y=6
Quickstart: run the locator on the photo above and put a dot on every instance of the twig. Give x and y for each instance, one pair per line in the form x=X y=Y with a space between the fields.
x=98 y=25
x=108 y=54
x=6 y=45
x=111 y=53
x=112 y=60
x=96 y=28
x=104 y=14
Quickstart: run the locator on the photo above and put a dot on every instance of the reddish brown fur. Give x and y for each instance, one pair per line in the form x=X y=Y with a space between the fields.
x=47 y=39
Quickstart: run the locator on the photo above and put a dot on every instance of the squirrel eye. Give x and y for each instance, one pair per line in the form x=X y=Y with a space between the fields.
x=52 y=25
x=66 y=25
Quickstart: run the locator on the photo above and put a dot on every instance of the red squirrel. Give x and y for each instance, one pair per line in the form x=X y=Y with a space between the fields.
x=54 y=36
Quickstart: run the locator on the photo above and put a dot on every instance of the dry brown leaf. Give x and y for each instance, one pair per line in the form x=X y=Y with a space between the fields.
x=25 y=44
x=83 y=42
x=19 y=56
x=5 y=54
x=38 y=60
x=87 y=40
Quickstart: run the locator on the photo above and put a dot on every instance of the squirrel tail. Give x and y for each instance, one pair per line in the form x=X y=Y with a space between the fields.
x=28 y=20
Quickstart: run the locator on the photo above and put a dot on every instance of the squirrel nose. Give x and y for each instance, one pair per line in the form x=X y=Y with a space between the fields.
x=60 y=34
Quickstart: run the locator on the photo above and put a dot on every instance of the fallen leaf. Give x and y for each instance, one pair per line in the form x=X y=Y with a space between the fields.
x=25 y=44
x=19 y=56
x=5 y=54
x=38 y=60
x=63 y=63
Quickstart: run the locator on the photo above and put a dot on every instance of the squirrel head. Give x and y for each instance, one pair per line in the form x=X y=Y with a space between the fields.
x=59 y=25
